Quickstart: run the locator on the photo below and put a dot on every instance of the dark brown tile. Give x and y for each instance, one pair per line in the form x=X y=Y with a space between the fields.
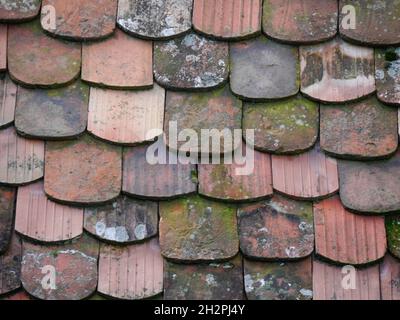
x=19 y=10
x=8 y=97
x=390 y=278
x=7 y=200
x=387 y=74
x=392 y=223
x=10 y=266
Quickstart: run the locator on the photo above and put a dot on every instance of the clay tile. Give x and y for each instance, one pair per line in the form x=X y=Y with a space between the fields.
x=310 y=175
x=35 y=59
x=365 y=129
x=52 y=114
x=370 y=187
x=22 y=160
x=126 y=117
x=227 y=19
x=214 y=281
x=196 y=229
x=393 y=231
x=10 y=266
x=282 y=127
x=67 y=272
x=7 y=200
x=337 y=71
x=387 y=74
x=335 y=283
x=80 y=19
x=41 y=219
x=377 y=22
x=20 y=295
x=3 y=47
x=131 y=272
x=299 y=21
x=263 y=69
x=390 y=278
x=278 y=280
x=84 y=171
x=19 y=10
x=8 y=97
x=155 y=19
x=191 y=62
x=126 y=220
x=344 y=237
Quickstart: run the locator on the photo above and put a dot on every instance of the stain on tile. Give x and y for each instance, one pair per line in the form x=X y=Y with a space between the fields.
x=8 y=97
x=390 y=278
x=7 y=200
x=19 y=10
x=10 y=266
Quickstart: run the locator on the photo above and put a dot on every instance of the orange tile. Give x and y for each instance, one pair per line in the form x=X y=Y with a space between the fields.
x=8 y=97
x=3 y=47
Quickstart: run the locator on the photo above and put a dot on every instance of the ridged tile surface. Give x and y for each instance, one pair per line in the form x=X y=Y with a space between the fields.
x=3 y=47
x=8 y=96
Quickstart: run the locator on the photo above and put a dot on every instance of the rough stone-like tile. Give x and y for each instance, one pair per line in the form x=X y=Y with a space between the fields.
x=191 y=62
x=155 y=19
x=337 y=71
x=282 y=127
x=131 y=272
x=3 y=47
x=41 y=219
x=83 y=171
x=8 y=97
x=299 y=21
x=81 y=19
x=345 y=237
x=120 y=61
x=73 y=265
x=334 y=283
x=276 y=229
x=370 y=187
x=278 y=280
x=214 y=281
x=196 y=229
x=377 y=22
x=125 y=220
x=7 y=200
x=263 y=69
x=218 y=109
x=310 y=175
x=158 y=181
x=365 y=129
x=126 y=117
x=52 y=114
x=10 y=266
x=387 y=75
x=390 y=278
x=19 y=10
x=21 y=160
x=227 y=19
x=392 y=223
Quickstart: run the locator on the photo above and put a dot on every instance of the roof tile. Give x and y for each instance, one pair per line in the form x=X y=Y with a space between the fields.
x=20 y=295
x=393 y=234
x=7 y=200
x=390 y=278
x=19 y=10
x=3 y=47
x=8 y=97
x=387 y=74
x=10 y=266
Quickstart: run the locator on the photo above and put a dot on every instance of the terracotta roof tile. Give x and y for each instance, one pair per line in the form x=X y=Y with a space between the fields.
x=8 y=96
x=10 y=267
x=387 y=68
x=7 y=200
x=392 y=232
x=3 y=47
x=227 y=19
x=19 y=10
x=390 y=278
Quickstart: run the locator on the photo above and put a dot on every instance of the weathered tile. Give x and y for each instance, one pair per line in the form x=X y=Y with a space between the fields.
x=3 y=46
x=263 y=69
x=81 y=19
x=84 y=171
x=279 y=228
x=370 y=187
x=52 y=114
x=227 y=19
x=214 y=281
x=347 y=238
x=8 y=97
x=155 y=19
x=387 y=75
x=365 y=129
x=191 y=62
x=126 y=117
x=10 y=266
x=392 y=223
x=67 y=272
x=376 y=22
x=337 y=71
x=131 y=272
x=19 y=10
x=125 y=220
x=20 y=295
x=22 y=160
x=310 y=175
x=196 y=229
x=299 y=21
x=278 y=280
x=336 y=283
x=41 y=219
x=282 y=127
x=390 y=278
x=7 y=200
x=199 y=111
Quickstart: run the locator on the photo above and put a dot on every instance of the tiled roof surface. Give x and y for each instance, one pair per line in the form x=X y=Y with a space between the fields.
x=317 y=219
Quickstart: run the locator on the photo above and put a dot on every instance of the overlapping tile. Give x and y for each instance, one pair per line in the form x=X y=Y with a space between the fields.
x=392 y=223
x=131 y=272
x=126 y=117
x=8 y=96
x=10 y=267
x=227 y=19
x=3 y=47
x=390 y=278
x=263 y=69
x=41 y=219
x=387 y=74
x=191 y=62
x=337 y=71
x=19 y=10
x=7 y=200
x=196 y=229
x=83 y=171
x=126 y=220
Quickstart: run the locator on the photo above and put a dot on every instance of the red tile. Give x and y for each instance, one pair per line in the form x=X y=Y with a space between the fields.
x=8 y=96
x=131 y=272
x=3 y=47
x=227 y=19
x=7 y=200
x=41 y=219
x=387 y=74
x=19 y=10
x=10 y=266
x=390 y=278
x=347 y=238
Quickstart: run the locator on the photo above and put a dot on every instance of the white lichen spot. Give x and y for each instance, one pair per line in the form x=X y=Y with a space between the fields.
x=211 y=281
x=140 y=231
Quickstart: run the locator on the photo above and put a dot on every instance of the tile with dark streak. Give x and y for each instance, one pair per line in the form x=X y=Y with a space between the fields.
x=7 y=201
